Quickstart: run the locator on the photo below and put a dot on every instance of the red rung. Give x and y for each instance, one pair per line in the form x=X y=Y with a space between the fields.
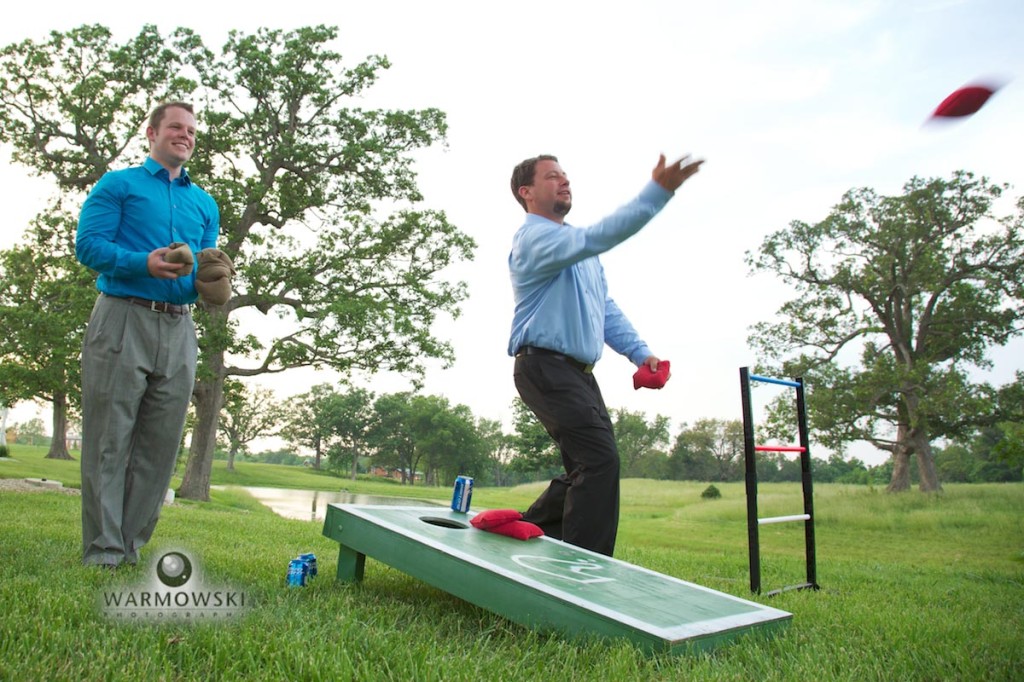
x=779 y=448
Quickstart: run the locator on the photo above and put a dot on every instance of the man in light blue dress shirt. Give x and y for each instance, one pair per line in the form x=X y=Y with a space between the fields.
x=563 y=318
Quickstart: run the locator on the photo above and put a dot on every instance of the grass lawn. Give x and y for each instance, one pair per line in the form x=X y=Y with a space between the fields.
x=914 y=587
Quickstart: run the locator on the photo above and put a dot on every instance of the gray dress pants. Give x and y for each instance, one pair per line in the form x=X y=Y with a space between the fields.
x=138 y=372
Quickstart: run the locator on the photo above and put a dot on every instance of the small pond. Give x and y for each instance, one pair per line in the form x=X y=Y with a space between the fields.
x=311 y=505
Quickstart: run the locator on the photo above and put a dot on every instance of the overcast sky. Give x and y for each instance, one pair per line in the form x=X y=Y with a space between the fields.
x=791 y=103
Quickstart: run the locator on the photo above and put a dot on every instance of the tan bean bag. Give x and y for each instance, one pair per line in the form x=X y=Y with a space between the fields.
x=213 y=276
x=180 y=253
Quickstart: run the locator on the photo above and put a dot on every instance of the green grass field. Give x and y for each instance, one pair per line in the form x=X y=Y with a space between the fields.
x=914 y=587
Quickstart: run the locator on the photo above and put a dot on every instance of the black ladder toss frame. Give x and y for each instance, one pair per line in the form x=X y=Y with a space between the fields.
x=750 y=450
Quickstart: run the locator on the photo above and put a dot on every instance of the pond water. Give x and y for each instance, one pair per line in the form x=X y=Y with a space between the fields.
x=311 y=505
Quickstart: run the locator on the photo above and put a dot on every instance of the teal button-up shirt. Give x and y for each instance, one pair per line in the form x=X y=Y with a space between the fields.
x=131 y=212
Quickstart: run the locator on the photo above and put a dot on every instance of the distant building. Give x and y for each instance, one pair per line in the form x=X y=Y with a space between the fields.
x=395 y=473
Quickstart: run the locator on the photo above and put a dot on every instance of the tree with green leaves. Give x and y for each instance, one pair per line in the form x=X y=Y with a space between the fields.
x=919 y=286
x=641 y=443
x=498 y=448
x=534 y=448
x=249 y=413
x=1010 y=448
x=317 y=194
x=447 y=437
x=311 y=420
x=689 y=459
x=45 y=298
x=710 y=450
x=992 y=455
x=350 y=428
x=392 y=437
x=32 y=432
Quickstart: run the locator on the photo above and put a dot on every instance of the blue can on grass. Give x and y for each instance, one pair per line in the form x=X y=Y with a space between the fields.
x=301 y=570
x=463 y=493
x=310 y=560
x=298 y=573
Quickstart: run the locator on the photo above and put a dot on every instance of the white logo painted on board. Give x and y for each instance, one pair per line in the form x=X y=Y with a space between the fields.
x=577 y=570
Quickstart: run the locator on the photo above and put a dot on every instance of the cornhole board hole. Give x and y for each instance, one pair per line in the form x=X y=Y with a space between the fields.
x=542 y=583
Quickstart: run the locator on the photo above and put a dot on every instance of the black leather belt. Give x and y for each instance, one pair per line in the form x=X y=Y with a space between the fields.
x=534 y=350
x=157 y=306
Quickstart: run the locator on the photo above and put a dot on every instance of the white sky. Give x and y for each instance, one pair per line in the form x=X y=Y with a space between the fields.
x=791 y=103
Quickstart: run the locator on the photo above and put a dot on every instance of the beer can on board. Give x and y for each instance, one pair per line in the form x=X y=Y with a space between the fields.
x=463 y=493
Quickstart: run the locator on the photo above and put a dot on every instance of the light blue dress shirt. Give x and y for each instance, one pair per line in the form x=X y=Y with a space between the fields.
x=561 y=296
x=133 y=211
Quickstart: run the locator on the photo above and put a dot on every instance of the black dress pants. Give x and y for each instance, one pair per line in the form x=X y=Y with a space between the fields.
x=580 y=506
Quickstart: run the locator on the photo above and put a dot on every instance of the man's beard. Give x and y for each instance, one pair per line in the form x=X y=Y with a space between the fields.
x=562 y=207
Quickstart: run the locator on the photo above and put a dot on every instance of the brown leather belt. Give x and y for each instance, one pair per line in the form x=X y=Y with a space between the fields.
x=534 y=350
x=157 y=306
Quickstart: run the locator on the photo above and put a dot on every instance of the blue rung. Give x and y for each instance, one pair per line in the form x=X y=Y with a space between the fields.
x=780 y=382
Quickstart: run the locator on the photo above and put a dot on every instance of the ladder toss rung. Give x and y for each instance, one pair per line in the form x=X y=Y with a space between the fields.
x=770 y=380
x=783 y=519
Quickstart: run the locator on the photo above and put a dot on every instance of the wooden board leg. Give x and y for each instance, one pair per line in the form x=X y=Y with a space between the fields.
x=350 y=565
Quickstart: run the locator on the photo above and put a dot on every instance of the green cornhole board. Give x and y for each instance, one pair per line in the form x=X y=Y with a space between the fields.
x=543 y=583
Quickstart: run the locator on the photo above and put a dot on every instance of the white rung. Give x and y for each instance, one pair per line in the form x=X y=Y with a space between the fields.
x=783 y=519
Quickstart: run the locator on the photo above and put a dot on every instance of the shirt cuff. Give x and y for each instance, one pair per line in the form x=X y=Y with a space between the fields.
x=640 y=354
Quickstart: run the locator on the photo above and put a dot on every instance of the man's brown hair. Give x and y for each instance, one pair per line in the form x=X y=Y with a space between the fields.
x=522 y=175
x=158 y=114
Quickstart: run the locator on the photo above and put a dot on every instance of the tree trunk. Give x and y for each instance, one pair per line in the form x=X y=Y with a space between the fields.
x=912 y=439
x=926 y=468
x=209 y=398
x=355 y=464
x=900 y=480
x=913 y=442
x=59 y=442
x=901 y=452
x=231 y=459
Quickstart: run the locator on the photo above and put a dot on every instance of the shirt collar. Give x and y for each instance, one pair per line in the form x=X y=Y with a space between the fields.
x=541 y=220
x=156 y=169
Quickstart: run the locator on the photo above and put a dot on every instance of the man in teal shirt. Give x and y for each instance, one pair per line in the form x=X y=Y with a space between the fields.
x=563 y=318
x=139 y=353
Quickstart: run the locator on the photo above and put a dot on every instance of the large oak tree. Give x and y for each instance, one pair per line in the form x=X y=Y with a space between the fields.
x=898 y=297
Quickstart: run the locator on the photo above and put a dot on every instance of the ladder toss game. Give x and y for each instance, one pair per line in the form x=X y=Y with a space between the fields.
x=750 y=450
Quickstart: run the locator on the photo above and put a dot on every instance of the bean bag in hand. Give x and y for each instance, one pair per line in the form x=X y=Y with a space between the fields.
x=180 y=253
x=645 y=378
x=213 y=276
